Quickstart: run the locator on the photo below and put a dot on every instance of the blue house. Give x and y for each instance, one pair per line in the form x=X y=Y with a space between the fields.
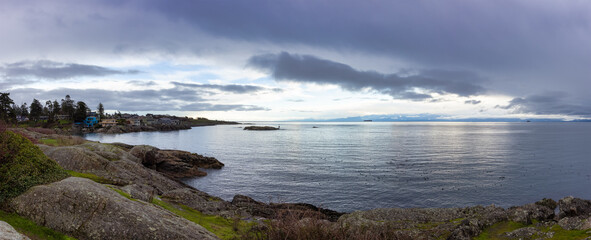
x=90 y=122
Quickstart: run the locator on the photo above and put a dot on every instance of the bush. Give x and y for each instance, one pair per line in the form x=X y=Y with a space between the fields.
x=23 y=165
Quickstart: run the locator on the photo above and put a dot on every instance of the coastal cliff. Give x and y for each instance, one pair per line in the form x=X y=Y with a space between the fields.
x=120 y=191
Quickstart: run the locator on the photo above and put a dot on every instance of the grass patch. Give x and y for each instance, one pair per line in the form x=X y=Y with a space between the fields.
x=49 y=141
x=30 y=228
x=122 y=193
x=497 y=230
x=23 y=165
x=90 y=176
x=221 y=227
x=561 y=233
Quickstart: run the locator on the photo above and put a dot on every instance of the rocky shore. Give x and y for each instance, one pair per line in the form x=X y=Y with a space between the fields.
x=120 y=191
x=130 y=128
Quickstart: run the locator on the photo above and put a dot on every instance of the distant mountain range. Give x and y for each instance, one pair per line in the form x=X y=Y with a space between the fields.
x=433 y=118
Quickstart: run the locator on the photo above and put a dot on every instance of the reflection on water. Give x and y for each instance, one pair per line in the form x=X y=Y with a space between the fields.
x=355 y=166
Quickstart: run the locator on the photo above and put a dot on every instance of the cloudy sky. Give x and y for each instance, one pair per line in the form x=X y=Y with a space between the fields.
x=289 y=60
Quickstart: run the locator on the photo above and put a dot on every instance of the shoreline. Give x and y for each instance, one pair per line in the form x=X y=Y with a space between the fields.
x=152 y=176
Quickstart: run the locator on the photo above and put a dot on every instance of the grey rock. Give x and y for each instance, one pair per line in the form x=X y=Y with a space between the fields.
x=140 y=191
x=174 y=163
x=573 y=223
x=201 y=201
x=533 y=211
x=548 y=203
x=87 y=210
x=527 y=233
x=124 y=171
x=146 y=154
x=574 y=207
x=7 y=232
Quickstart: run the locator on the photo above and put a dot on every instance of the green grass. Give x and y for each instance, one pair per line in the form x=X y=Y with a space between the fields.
x=221 y=227
x=497 y=230
x=561 y=233
x=122 y=193
x=90 y=176
x=30 y=228
x=49 y=141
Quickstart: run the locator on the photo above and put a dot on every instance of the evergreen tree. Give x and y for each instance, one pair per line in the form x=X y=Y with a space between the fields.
x=101 y=111
x=24 y=110
x=57 y=107
x=36 y=110
x=7 y=114
x=80 y=113
x=68 y=107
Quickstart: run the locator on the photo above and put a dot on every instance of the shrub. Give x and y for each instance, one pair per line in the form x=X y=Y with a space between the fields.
x=23 y=165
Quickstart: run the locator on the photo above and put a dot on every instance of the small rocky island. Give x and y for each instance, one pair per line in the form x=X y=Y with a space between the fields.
x=261 y=128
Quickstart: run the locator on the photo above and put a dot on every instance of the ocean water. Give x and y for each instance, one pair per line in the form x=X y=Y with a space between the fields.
x=359 y=166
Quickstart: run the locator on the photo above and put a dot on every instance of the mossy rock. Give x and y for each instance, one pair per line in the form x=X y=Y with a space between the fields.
x=23 y=165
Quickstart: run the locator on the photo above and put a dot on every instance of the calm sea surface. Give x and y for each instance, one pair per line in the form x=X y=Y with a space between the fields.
x=358 y=166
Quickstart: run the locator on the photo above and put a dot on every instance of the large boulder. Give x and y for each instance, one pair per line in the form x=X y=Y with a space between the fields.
x=7 y=232
x=574 y=207
x=123 y=170
x=533 y=211
x=87 y=210
x=174 y=163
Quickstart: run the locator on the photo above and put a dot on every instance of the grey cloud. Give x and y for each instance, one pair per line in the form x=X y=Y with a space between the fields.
x=310 y=69
x=142 y=83
x=547 y=104
x=170 y=99
x=7 y=83
x=232 y=88
x=221 y=107
x=472 y=102
x=45 y=69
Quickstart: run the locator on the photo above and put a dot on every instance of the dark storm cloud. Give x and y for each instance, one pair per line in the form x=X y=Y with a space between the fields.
x=170 y=99
x=310 y=69
x=45 y=69
x=450 y=32
x=231 y=88
x=547 y=104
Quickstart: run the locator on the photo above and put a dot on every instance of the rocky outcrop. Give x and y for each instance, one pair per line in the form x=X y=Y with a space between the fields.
x=261 y=128
x=574 y=213
x=467 y=223
x=202 y=202
x=7 y=232
x=129 y=128
x=279 y=210
x=109 y=162
x=174 y=163
x=428 y=223
x=87 y=210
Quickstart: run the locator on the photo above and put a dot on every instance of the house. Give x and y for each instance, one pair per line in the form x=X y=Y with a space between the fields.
x=90 y=122
x=165 y=121
x=43 y=117
x=108 y=122
x=150 y=121
x=22 y=119
x=134 y=121
x=62 y=117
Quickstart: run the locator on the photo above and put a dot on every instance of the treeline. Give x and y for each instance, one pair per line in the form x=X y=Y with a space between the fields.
x=51 y=111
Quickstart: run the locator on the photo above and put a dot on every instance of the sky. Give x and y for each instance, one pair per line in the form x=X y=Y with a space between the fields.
x=290 y=60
